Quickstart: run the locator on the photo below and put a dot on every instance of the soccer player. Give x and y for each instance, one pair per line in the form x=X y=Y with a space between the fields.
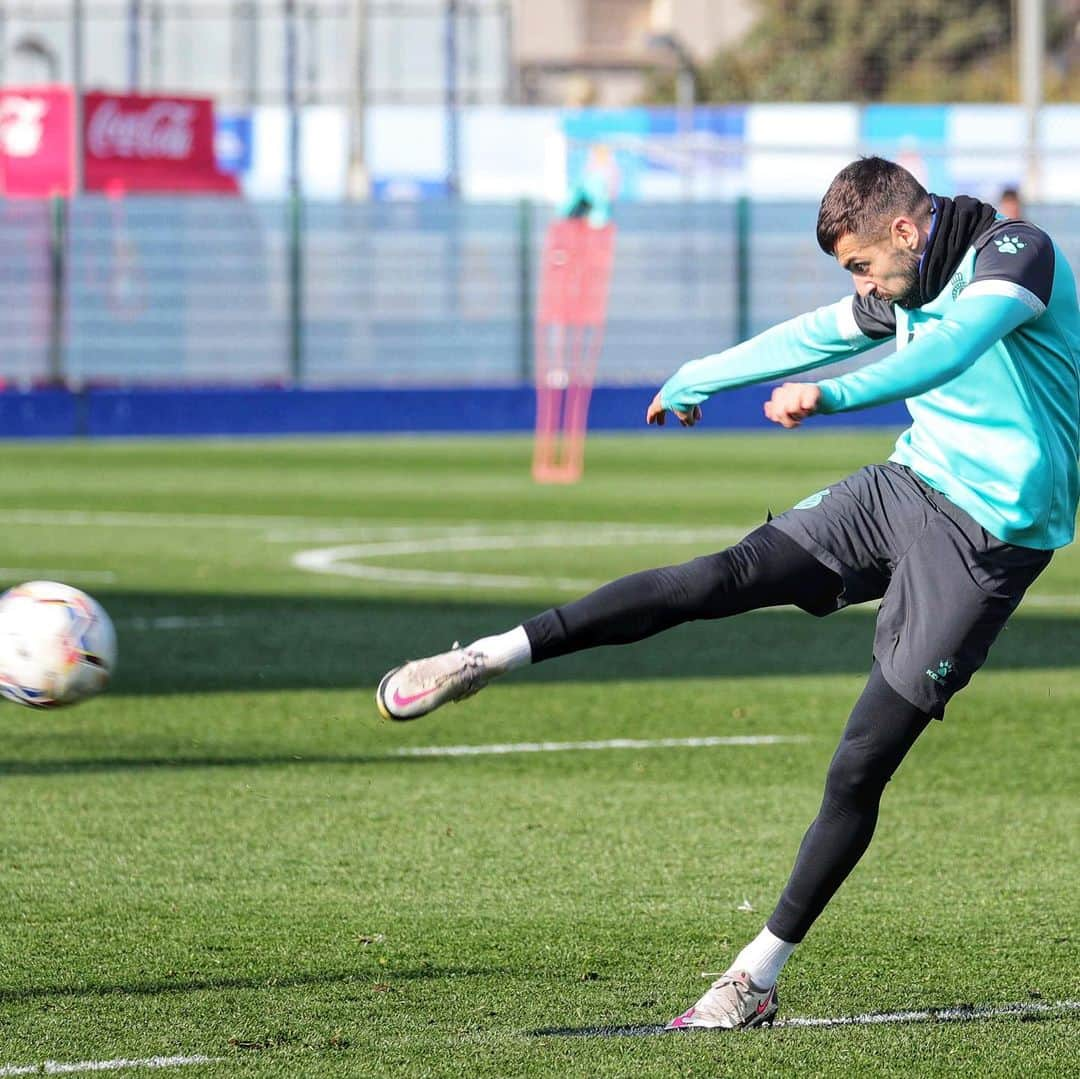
x=948 y=533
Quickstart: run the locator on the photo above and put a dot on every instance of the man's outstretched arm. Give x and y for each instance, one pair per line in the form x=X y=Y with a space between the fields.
x=930 y=361
x=972 y=327
x=820 y=337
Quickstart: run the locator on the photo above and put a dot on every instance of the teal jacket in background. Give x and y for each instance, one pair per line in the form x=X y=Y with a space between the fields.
x=589 y=197
x=989 y=369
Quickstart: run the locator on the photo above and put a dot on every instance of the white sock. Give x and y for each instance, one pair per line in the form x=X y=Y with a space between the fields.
x=763 y=959
x=505 y=651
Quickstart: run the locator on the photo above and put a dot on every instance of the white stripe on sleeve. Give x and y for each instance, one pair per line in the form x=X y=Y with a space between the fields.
x=1005 y=288
x=845 y=321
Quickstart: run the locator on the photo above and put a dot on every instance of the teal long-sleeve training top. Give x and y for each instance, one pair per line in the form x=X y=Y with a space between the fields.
x=989 y=370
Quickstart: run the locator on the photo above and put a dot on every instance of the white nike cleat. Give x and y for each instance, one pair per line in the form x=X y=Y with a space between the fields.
x=422 y=685
x=732 y=1002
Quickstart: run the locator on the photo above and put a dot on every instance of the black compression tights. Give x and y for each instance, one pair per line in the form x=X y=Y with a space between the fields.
x=882 y=728
x=766 y=569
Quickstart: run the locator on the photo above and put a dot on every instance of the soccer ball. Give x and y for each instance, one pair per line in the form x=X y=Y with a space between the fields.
x=57 y=645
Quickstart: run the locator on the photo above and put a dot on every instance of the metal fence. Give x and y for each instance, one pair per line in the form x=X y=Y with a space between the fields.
x=223 y=291
x=238 y=50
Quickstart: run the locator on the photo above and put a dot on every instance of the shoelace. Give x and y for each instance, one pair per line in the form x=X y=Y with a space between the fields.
x=742 y=988
x=474 y=664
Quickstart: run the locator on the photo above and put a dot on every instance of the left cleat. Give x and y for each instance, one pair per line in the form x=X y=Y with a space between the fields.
x=732 y=1002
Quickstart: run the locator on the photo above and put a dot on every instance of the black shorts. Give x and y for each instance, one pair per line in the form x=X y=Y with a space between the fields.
x=946 y=585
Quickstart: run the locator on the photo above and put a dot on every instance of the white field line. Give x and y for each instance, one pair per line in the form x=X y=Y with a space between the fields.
x=499 y=749
x=27 y=573
x=1027 y=1010
x=579 y=533
x=938 y=1015
x=305 y=525
x=282 y=527
x=130 y=519
x=293 y=529
x=350 y=560
x=54 y=1067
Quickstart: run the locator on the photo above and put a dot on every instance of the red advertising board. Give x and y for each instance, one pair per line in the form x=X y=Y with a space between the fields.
x=131 y=143
x=37 y=148
x=144 y=143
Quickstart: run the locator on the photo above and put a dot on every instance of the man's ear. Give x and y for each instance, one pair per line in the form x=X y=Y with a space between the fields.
x=905 y=233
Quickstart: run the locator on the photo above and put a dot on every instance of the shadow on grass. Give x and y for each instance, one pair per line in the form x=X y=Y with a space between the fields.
x=209 y=643
x=96 y=765
x=167 y=986
x=191 y=643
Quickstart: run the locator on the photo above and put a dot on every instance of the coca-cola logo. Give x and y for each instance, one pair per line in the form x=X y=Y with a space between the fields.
x=22 y=125
x=161 y=129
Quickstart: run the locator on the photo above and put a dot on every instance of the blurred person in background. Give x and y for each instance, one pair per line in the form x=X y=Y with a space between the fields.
x=1009 y=204
x=593 y=191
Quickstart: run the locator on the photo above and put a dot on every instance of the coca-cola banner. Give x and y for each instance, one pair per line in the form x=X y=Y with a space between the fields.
x=142 y=143
x=37 y=149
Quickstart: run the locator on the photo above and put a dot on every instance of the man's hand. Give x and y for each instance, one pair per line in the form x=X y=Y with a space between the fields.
x=791 y=403
x=657 y=414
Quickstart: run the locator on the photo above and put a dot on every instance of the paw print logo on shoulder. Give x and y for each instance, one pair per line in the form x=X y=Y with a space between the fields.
x=1010 y=245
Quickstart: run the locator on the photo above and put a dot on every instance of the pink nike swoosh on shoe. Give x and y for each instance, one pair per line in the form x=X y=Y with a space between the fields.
x=680 y=1021
x=404 y=702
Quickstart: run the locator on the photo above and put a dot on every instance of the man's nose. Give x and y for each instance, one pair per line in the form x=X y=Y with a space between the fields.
x=864 y=286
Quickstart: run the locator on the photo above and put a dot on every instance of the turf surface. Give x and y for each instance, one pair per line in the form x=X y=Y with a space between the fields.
x=223 y=856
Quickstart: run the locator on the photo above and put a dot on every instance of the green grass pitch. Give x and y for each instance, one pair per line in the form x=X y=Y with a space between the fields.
x=223 y=856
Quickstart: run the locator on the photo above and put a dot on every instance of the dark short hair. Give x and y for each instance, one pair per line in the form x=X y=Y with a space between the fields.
x=865 y=197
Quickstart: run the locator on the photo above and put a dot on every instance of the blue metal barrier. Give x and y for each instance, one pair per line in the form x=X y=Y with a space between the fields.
x=128 y=413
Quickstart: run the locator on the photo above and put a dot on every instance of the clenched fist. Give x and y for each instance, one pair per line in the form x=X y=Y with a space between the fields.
x=791 y=403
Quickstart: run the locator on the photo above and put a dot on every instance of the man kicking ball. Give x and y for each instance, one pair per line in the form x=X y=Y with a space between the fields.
x=948 y=533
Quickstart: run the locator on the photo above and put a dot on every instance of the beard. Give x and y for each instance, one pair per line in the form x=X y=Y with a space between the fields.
x=910 y=295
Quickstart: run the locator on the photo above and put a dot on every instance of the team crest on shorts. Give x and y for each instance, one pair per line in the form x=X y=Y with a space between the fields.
x=812 y=501
x=942 y=671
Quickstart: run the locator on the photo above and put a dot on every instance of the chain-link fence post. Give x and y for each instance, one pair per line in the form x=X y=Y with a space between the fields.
x=742 y=268
x=526 y=365
x=295 y=237
x=58 y=227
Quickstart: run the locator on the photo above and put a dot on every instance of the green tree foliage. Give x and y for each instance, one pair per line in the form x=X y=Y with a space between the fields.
x=847 y=50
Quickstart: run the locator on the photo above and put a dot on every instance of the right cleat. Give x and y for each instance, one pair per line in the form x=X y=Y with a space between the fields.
x=422 y=685
x=732 y=1002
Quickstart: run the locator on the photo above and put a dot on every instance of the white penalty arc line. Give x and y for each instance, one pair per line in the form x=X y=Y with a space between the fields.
x=499 y=749
x=351 y=560
x=55 y=1067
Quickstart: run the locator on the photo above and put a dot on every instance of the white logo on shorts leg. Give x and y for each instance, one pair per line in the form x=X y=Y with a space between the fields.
x=942 y=671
